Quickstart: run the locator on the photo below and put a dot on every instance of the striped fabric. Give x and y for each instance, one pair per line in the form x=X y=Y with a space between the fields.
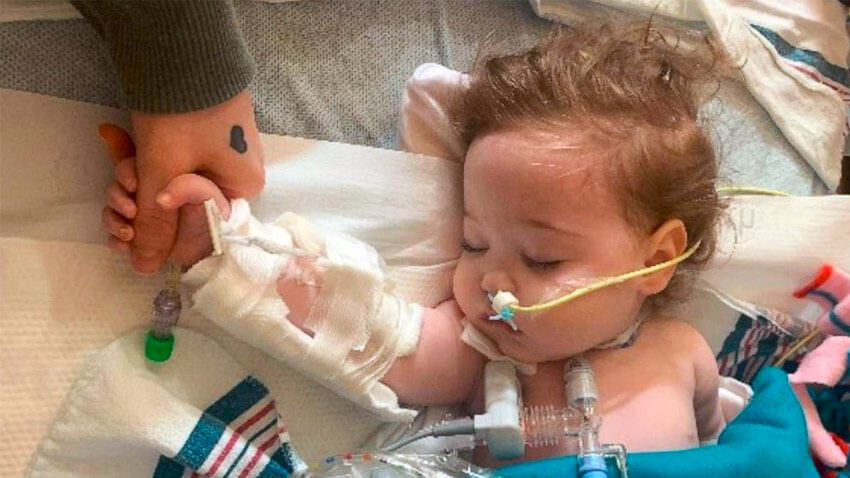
x=810 y=62
x=237 y=436
x=751 y=345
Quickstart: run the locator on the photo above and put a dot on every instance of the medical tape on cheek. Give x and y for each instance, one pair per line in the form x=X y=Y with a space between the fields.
x=606 y=282
x=561 y=287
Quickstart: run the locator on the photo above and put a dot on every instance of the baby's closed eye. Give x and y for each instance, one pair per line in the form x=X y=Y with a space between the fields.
x=467 y=247
x=541 y=265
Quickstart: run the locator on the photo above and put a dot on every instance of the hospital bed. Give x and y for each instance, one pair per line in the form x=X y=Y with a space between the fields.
x=51 y=231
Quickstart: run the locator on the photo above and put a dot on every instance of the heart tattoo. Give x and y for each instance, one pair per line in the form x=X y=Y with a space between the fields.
x=237 y=139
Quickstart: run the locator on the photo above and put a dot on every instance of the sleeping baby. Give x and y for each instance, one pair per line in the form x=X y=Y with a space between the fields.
x=585 y=160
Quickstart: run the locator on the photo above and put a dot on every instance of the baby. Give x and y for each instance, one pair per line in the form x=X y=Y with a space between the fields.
x=584 y=161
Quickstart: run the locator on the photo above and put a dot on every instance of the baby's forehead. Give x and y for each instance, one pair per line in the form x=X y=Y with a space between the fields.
x=568 y=160
x=537 y=170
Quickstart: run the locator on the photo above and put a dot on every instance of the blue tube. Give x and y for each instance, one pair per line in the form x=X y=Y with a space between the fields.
x=592 y=465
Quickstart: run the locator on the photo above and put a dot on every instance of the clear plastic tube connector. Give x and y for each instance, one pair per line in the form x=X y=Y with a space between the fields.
x=547 y=426
x=167 y=306
x=166 y=311
x=580 y=386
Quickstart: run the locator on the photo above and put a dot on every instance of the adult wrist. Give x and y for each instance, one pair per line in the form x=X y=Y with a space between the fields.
x=173 y=56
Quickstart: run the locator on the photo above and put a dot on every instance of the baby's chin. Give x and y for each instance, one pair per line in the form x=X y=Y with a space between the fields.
x=535 y=353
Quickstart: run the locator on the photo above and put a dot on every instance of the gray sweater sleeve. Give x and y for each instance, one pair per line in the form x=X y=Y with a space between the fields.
x=173 y=56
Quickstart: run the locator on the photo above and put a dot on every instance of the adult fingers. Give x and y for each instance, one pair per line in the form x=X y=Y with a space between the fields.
x=125 y=173
x=155 y=227
x=117 y=141
x=155 y=230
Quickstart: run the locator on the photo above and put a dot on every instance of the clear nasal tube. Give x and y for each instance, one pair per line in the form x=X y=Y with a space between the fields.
x=507 y=305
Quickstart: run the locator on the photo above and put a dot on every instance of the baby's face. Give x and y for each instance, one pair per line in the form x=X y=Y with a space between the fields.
x=537 y=215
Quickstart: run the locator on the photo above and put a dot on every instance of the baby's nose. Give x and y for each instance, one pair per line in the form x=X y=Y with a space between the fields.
x=496 y=280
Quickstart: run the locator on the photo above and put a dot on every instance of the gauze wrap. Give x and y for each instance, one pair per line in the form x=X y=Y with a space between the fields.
x=359 y=327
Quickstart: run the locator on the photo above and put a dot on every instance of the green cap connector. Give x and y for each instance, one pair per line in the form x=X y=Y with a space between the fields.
x=158 y=350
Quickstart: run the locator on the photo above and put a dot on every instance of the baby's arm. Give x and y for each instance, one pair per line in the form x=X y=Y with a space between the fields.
x=709 y=416
x=442 y=370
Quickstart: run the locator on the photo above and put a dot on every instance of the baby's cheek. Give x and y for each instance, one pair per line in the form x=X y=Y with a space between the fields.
x=463 y=287
x=582 y=324
x=568 y=334
x=611 y=312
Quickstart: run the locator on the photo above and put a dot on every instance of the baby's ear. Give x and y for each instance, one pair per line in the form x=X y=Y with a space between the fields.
x=667 y=242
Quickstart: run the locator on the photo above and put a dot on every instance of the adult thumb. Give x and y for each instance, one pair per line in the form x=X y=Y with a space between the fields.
x=155 y=228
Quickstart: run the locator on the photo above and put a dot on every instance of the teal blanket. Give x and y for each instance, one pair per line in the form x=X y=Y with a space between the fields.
x=768 y=438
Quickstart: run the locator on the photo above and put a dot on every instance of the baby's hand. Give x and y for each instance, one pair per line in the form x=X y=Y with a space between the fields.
x=186 y=192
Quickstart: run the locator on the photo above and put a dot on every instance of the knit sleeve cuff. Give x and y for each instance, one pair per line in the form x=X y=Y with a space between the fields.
x=173 y=56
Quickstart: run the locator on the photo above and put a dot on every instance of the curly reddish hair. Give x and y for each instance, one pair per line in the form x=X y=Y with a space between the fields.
x=638 y=87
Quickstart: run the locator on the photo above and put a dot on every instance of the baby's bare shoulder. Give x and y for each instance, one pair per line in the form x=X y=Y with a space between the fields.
x=672 y=329
x=676 y=338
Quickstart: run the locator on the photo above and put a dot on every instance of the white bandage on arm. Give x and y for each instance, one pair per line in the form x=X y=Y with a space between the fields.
x=359 y=328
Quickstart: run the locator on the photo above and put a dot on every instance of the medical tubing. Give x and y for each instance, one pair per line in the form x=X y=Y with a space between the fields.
x=166 y=311
x=580 y=386
x=797 y=346
x=167 y=305
x=606 y=282
x=735 y=190
x=460 y=426
x=591 y=458
x=159 y=342
x=582 y=395
x=547 y=426
x=541 y=426
x=592 y=465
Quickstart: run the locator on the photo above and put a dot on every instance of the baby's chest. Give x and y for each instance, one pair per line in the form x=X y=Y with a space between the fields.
x=646 y=404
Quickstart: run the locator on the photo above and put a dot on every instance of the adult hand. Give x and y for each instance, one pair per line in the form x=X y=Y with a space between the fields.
x=221 y=143
x=185 y=193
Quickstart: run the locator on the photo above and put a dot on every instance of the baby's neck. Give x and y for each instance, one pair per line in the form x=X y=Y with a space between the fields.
x=546 y=387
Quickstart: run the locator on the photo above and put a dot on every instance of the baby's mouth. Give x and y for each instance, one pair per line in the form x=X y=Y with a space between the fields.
x=500 y=325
